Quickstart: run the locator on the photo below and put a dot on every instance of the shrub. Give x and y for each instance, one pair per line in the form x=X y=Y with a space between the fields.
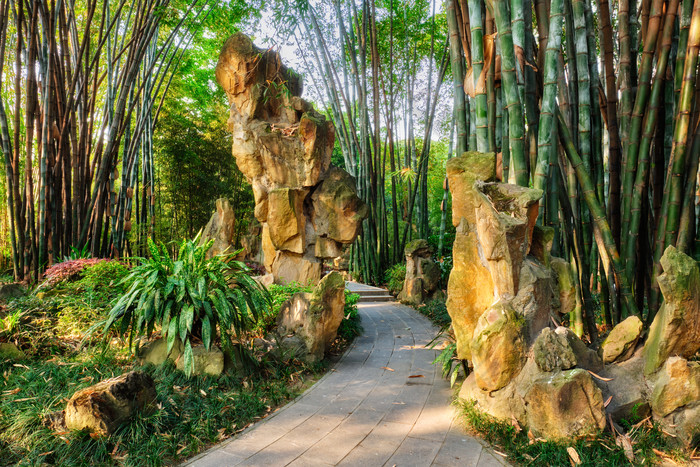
x=189 y=297
x=350 y=326
x=394 y=277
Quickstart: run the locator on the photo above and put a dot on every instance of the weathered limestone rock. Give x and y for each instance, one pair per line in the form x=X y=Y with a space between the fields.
x=9 y=351
x=220 y=228
x=684 y=424
x=677 y=385
x=251 y=243
x=676 y=327
x=315 y=317
x=10 y=291
x=284 y=147
x=628 y=388
x=541 y=244
x=622 y=340
x=553 y=352
x=534 y=298
x=337 y=211
x=470 y=288
x=206 y=362
x=503 y=404
x=422 y=274
x=567 y=404
x=585 y=358
x=498 y=350
x=565 y=285
x=102 y=408
x=156 y=352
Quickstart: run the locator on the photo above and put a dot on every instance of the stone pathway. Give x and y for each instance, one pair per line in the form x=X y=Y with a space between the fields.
x=383 y=403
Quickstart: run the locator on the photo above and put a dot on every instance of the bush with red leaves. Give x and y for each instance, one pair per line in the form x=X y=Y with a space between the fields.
x=68 y=270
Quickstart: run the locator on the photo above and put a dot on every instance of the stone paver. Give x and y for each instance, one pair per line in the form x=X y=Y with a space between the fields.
x=362 y=413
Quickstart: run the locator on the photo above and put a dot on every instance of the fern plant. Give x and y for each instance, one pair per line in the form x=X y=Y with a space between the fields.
x=190 y=297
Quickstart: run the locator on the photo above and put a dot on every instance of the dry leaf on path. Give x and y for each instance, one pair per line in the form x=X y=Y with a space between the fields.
x=387 y=368
x=573 y=455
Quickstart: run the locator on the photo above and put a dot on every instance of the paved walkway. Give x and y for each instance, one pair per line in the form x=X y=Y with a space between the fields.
x=384 y=403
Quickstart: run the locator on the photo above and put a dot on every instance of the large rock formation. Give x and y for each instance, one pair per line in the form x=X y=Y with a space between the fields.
x=308 y=322
x=307 y=209
x=220 y=228
x=422 y=274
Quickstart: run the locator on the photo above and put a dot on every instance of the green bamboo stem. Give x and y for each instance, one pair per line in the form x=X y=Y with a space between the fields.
x=457 y=63
x=546 y=139
x=640 y=104
x=510 y=90
x=687 y=224
x=588 y=191
x=680 y=134
x=644 y=146
x=480 y=107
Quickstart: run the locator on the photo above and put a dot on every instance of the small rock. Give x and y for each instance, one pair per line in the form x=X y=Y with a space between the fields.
x=585 y=358
x=209 y=362
x=102 y=408
x=498 y=349
x=622 y=340
x=422 y=274
x=10 y=291
x=220 y=228
x=684 y=424
x=265 y=280
x=677 y=385
x=553 y=352
x=565 y=405
x=156 y=352
x=9 y=351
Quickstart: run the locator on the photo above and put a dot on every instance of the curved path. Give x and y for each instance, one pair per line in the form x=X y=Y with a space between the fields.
x=383 y=403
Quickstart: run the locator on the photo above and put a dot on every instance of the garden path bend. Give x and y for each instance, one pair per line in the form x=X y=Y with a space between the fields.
x=383 y=403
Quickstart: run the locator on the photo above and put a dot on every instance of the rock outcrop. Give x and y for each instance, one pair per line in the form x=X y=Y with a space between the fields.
x=102 y=408
x=308 y=210
x=422 y=273
x=312 y=319
x=676 y=327
x=220 y=228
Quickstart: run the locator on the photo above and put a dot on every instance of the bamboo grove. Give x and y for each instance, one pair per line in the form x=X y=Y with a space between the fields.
x=619 y=176
x=82 y=87
x=380 y=70
x=596 y=104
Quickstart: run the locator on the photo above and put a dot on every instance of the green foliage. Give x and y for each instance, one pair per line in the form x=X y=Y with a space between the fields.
x=350 y=327
x=436 y=311
x=394 y=277
x=191 y=414
x=52 y=321
x=278 y=295
x=601 y=451
x=76 y=253
x=191 y=296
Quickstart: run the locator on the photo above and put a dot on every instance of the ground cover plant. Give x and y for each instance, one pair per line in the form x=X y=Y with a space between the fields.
x=644 y=444
x=190 y=414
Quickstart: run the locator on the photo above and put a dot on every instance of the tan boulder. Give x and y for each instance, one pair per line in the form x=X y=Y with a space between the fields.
x=504 y=404
x=462 y=173
x=565 y=405
x=622 y=340
x=422 y=273
x=102 y=408
x=315 y=317
x=221 y=229
x=156 y=352
x=585 y=357
x=498 y=348
x=337 y=210
x=676 y=385
x=205 y=362
x=676 y=327
x=290 y=267
x=684 y=424
x=286 y=221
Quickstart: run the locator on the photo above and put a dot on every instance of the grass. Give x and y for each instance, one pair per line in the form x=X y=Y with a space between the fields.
x=191 y=414
x=436 y=311
x=521 y=449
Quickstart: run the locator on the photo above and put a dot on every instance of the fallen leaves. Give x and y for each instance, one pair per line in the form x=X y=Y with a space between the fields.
x=599 y=377
x=573 y=456
x=387 y=368
x=416 y=376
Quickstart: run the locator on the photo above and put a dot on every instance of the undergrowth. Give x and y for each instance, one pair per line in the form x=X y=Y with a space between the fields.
x=522 y=448
x=190 y=413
